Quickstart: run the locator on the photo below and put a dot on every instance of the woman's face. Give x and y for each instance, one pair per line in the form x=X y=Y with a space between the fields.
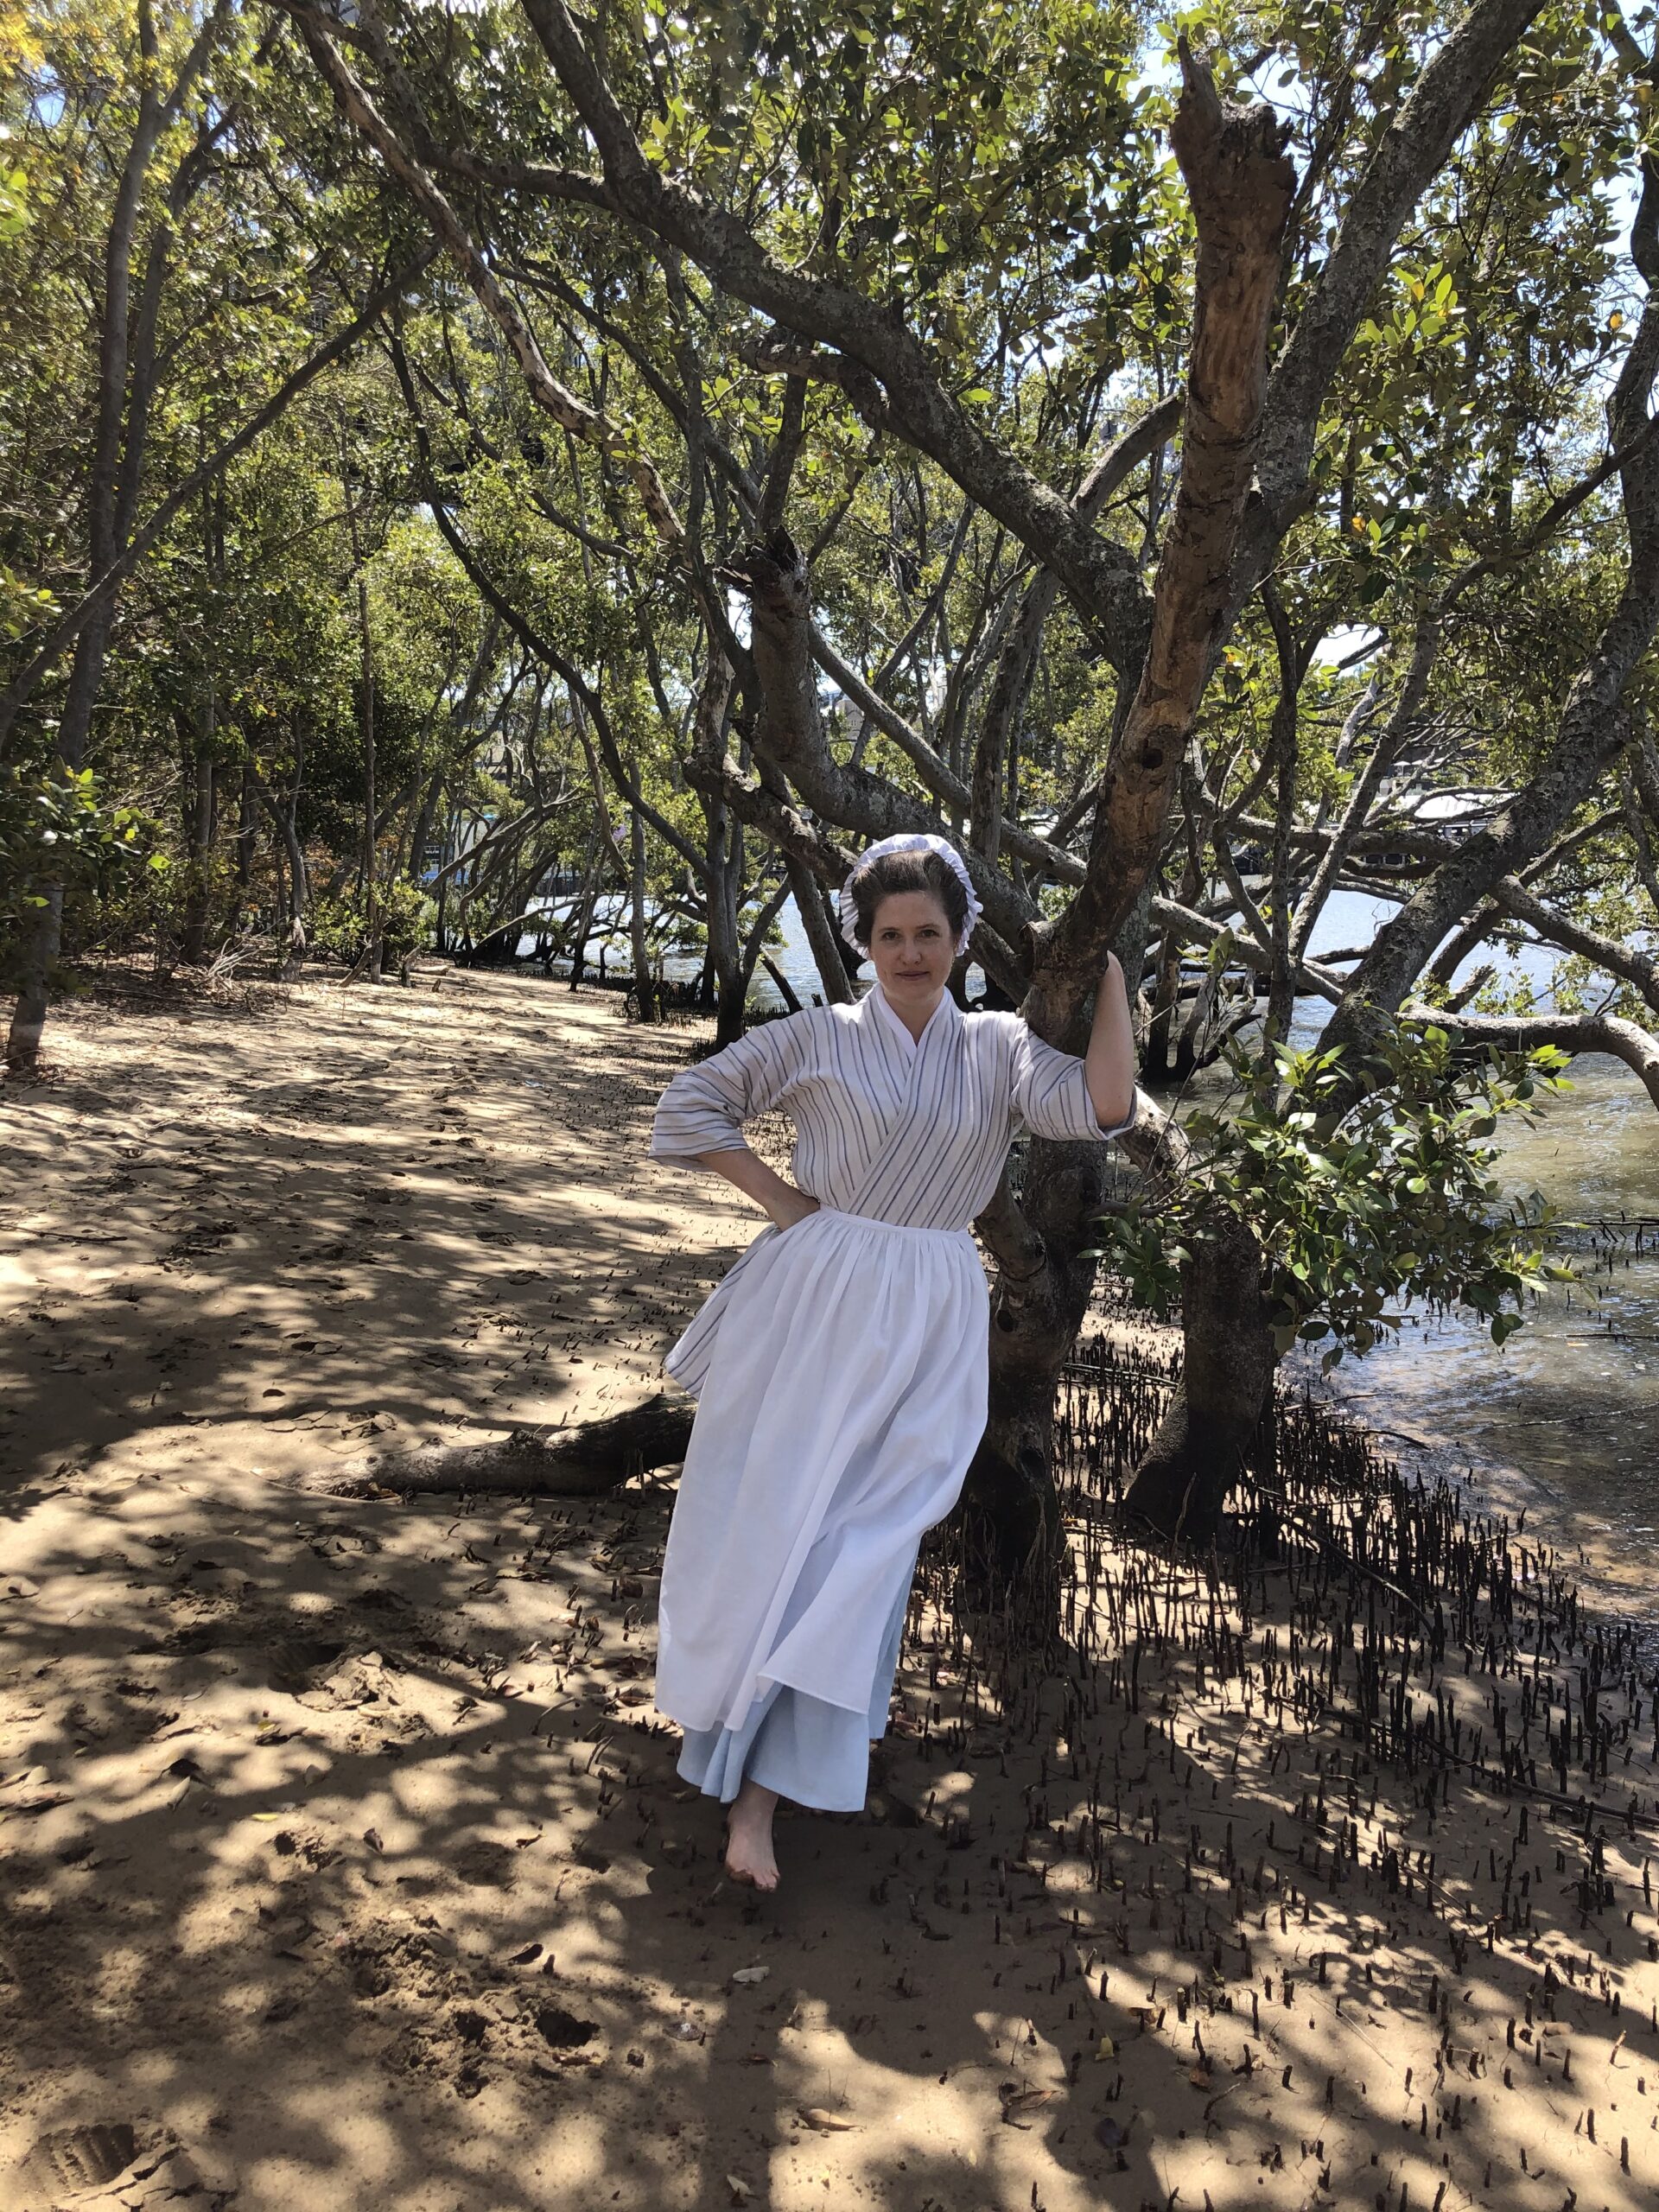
x=910 y=947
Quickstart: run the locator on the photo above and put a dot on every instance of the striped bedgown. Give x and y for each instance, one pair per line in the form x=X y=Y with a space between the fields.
x=840 y=1370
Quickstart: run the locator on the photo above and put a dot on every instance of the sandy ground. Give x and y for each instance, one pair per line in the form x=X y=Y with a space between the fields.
x=342 y=1861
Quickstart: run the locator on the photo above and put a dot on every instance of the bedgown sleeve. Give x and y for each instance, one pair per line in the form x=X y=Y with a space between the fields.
x=1051 y=1092
x=704 y=1107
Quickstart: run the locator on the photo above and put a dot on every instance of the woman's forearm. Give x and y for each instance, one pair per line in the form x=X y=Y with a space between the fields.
x=756 y=1180
x=1109 y=1062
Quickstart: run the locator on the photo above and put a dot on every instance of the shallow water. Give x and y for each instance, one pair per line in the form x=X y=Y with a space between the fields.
x=1572 y=1397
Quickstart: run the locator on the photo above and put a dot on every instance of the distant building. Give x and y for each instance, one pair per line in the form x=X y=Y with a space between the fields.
x=1457 y=813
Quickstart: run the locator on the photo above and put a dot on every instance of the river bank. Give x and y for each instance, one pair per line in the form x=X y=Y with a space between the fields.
x=343 y=1861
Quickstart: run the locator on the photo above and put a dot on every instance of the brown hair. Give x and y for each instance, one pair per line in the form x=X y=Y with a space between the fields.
x=896 y=872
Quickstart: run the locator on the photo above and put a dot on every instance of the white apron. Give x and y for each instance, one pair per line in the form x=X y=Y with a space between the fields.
x=839 y=1409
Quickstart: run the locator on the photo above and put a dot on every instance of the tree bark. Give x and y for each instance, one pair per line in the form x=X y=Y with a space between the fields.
x=193 y=937
x=601 y=1456
x=371 y=886
x=282 y=819
x=820 y=933
x=1227 y=1369
x=247 y=824
x=1241 y=185
x=1042 y=1292
x=35 y=960
x=644 y=988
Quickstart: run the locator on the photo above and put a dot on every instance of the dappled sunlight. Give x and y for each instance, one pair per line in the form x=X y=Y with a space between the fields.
x=344 y=1853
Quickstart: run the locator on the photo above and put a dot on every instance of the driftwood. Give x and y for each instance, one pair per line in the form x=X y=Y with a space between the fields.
x=585 y=1462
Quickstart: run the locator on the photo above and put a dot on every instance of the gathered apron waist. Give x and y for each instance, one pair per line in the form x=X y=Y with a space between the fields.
x=873 y=1221
x=688 y=1361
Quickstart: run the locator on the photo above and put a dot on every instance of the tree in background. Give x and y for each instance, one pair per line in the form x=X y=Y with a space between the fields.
x=161 y=240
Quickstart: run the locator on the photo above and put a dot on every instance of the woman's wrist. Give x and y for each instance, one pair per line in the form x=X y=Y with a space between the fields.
x=791 y=1205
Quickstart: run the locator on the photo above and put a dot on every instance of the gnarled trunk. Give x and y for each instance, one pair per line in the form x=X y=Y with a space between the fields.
x=1009 y=1510
x=1224 y=1391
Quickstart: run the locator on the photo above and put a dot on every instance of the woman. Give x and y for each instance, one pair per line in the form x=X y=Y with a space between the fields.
x=840 y=1366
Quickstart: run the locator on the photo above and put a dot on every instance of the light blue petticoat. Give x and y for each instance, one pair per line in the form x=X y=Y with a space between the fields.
x=812 y=1752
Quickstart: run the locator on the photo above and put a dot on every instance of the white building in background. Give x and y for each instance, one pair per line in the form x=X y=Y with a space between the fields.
x=1457 y=813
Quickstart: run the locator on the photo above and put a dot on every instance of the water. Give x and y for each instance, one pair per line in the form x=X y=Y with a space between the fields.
x=1573 y=1398
x=793 y=956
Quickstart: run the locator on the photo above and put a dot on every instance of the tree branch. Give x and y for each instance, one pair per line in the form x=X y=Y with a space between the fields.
x=1102 y=577
x=1637 y=969
x=553 y=397
x=1241 y=184
x=1572 y=1032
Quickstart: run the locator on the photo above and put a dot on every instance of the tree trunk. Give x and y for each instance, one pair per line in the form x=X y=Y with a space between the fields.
x=730 y=1009
x=1009 y=1511
x=44 y=941
x=753 y=953
x=644 y=990
x=582 y=928
x=721 y=879
x=247 y=820
x=299 y=889
x=1242 y=186
x=1226 y=1381
x=785 y=988
x=193 y=942
x=820 y=933
x=371 y=888
x=1046 y=1276
x=35 y=965
x=1156 y=1064
x=294 y=959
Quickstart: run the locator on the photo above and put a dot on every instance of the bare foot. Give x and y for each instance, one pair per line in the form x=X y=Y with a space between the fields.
x=749 y=1837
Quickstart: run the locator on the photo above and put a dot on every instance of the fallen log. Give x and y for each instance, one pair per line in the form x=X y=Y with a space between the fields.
x=584 y=1462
